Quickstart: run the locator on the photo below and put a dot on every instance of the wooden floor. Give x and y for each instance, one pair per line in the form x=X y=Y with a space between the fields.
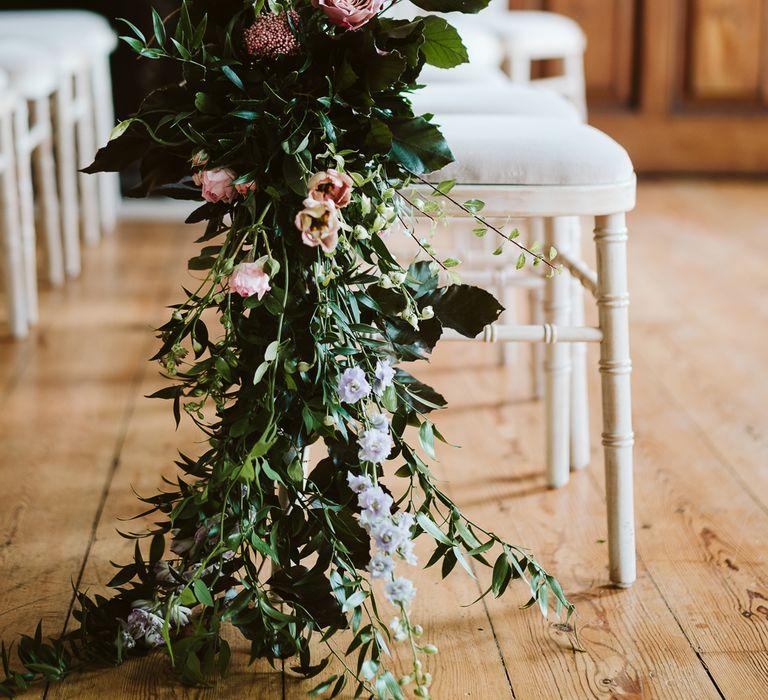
x=77 y=436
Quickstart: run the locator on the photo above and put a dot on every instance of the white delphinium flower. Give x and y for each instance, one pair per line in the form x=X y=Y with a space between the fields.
x=386 y=535
x=375 y=446
x=179 y=615
x=383 y=376
x=353 y=385
x=399 y=629
x=400 y=591
x=375 y=501
x=143 y=623
x=358 y=484
x=406 y=551
x=380 y=422
x=381 y=566
x=426 y=313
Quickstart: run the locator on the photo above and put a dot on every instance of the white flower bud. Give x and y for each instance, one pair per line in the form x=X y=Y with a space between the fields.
x=397 y=277
x=385 y=281
x=304 y=367
x=426 y=313
x=418 y=630
x=378 y=223
x=329 y=421
x=429 y=649
x=365 y=204
x=405 y=680
x=361 y=233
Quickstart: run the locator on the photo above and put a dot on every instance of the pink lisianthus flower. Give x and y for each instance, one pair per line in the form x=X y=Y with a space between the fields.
x=244 y=188
x=249 y=279
x=351 y=14
x=217 y=185
x=319 y=224
x=333 y=185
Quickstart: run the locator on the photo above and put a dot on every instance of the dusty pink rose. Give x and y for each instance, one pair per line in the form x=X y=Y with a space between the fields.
x=333 y=185
x=351 y=14
x=217 y=185
x=319 y=224
x=248 y=279
x=245 y=187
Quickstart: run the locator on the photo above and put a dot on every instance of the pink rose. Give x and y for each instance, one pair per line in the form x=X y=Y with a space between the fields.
x=333 y=185
x=217 y=185
x=351 y=14
x=319 y=224
x=248 y=279
x=245 y=187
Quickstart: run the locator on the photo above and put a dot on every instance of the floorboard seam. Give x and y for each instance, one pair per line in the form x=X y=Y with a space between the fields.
x=663 y=598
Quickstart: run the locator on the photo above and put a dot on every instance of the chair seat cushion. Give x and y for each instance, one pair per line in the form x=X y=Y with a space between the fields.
x=86 y=30
x=466 y=73
x=34 y=72
x=535 y=34
x=478 y=98
x=515 y=150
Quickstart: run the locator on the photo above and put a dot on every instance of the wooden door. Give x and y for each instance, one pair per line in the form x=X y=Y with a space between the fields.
x=683 y=84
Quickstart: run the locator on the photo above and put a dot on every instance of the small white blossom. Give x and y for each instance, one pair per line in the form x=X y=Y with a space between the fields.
x=399 y=629
x=358 y=484
x=380 y=422
x=376 y=501
x=426 y=313
x=400 y=591
x=387 y=536
x=179 y=615
x=353 y=385
x=381 y=565
x=375 y=446
x=384 y=374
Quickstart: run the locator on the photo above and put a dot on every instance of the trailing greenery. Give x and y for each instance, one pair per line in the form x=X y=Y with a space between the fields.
x=298 y=132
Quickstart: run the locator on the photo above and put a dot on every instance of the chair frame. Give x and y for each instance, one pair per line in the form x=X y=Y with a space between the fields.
x=557 y=205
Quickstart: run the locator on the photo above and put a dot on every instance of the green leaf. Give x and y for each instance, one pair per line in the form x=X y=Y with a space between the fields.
x=261 y=370
x=520 y=262
x=474 y=205
x=464 y=308
x=442 y=45
x=354 y=601
x=233 y=77
x=159 y=27
x=418 y=145
x=431 y=529
x=202 y=593
x=464 y=6
x=322 y=687
x=427 y=438
x=270 y=354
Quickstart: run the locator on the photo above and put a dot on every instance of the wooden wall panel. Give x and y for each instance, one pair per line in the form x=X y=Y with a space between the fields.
x=725 y=46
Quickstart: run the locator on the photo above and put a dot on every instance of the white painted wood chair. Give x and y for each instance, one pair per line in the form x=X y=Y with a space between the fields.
x=85 y=41
x=553 y=169
x=531 y=36
x=34 y=77
x=10 y=227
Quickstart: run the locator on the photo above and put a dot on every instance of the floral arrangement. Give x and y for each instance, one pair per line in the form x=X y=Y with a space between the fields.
x=292 y=123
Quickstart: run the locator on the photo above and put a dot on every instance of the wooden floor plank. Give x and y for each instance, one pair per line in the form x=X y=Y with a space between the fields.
x=695 y=624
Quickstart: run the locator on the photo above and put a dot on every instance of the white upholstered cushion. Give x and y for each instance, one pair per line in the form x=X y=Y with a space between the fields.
x=34 y=71
x=537 y=35
x=512 y=150
x=478 y=98
x=86 y=30
x=467 y=74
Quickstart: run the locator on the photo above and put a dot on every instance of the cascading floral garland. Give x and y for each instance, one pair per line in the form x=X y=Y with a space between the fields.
x=293 y=122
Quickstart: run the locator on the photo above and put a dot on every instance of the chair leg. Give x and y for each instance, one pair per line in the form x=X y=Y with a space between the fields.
x=45 y=176
x=557 y=362
x=86 y=149
x=536 y=314
x=11 y=231
x=579 y=395
x=510 y=352
x=26 y=210
x=66 y=167
x=615 y=369
x=109 y=183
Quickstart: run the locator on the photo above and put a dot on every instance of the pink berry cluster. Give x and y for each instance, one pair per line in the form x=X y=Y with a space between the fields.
x=270 y=36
